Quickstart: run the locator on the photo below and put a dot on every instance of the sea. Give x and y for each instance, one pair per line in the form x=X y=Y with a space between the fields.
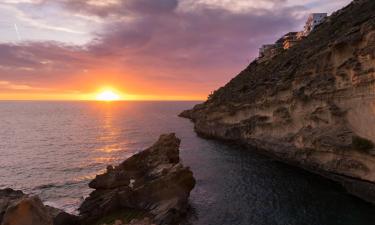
x=53 y=149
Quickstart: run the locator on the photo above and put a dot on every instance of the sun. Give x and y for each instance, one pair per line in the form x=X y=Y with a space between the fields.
x=107 y=95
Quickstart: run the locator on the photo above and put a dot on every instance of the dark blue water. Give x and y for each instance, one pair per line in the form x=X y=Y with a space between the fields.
x=55 y=148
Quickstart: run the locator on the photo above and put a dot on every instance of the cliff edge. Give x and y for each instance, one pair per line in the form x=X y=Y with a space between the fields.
x=312 y=105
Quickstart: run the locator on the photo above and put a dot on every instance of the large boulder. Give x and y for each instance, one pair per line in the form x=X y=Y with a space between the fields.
x=151 y=183
x=27 y=211
x=17 y=208
x=7 y=197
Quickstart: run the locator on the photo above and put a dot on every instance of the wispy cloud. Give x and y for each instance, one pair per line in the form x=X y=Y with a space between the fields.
x=7 y=85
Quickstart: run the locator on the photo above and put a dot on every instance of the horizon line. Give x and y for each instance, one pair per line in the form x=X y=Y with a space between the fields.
x=83 y=100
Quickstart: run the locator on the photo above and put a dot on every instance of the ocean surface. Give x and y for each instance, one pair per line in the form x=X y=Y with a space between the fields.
x=54 y=149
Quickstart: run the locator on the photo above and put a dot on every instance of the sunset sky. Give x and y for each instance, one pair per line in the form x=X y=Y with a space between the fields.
x=141 y=49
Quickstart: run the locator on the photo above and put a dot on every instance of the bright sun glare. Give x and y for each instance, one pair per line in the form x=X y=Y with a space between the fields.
x=107 y=95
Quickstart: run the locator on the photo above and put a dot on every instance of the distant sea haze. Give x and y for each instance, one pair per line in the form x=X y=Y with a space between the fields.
x=55 y=148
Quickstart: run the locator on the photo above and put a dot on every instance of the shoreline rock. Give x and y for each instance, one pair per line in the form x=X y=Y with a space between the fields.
x=311 y=106
x=7 y=197
x=27 y=211
x=17 y=208
x=152 y=183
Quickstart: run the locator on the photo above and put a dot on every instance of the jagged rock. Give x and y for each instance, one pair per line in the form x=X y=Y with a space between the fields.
x=27 y=211
x=313 y=105
x=7 y=197
x=19 y=208
x=152 y=182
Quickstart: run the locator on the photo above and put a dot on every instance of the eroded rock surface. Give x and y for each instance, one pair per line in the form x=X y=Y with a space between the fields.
x=313 y=105
x=27 y=211
x=152 y=183
x=17 y=208
x=8 y=197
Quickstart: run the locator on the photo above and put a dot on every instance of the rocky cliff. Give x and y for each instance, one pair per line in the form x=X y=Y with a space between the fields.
x=151 y=184
x=312 y=106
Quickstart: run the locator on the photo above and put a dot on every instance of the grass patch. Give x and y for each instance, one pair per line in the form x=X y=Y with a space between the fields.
x=362 y=143
x=125 y=215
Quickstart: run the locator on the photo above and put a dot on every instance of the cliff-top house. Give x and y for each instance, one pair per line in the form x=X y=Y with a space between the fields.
x=314 y=20
x=290 y=39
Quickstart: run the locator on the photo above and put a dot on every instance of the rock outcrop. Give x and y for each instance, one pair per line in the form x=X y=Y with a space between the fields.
x=17 y=208
x=27 y=211
x=311 y=106
x=152 y=183
x=8 y=197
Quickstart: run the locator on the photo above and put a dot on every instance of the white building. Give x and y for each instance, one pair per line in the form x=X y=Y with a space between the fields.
x=314 y=20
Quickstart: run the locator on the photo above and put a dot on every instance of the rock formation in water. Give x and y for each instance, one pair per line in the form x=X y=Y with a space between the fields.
x=152 y=183
x=313 y=105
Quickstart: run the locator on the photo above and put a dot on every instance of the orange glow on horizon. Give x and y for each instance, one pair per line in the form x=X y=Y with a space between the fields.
x=78 y=89
x=108 y=95
x=91 y=97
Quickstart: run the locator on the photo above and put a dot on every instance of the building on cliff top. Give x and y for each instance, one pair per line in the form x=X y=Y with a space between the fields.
x=290 y=39
x=314 y=20
x=285 y=42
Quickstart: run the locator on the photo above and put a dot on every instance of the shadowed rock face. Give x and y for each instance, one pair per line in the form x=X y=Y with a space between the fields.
x=8 y=197
x=27 y=211
x=17 y=208
x=312 y=106
x=153 y=182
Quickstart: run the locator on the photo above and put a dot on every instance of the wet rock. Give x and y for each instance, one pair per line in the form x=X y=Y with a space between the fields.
x=152 y=182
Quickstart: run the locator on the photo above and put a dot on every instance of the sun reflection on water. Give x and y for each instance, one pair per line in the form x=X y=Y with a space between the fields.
x=109 y=132
x=108 y=139
x=110 y=148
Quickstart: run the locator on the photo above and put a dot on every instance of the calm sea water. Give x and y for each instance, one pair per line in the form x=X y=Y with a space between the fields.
x=54 y=149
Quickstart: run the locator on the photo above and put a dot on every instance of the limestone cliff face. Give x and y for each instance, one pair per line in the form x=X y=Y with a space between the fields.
x=313 y=105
